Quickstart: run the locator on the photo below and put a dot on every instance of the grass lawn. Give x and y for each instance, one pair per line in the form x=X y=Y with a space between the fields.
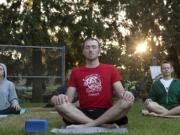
x=138 y=124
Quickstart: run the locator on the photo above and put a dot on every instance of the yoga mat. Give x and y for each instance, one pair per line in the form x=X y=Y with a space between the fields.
x=3 y=116
x=89 y=130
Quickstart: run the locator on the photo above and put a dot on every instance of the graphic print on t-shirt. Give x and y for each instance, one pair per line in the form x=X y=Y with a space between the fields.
x=93 y=84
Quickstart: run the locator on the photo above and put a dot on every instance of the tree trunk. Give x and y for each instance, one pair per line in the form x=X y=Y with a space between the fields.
x=37 y=83
x=37 y=86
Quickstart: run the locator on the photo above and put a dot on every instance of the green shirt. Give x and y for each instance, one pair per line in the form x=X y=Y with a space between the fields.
x=168 y=99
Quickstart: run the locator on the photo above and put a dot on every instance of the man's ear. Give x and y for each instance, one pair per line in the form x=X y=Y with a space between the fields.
x=99 y=52
x=172 y=69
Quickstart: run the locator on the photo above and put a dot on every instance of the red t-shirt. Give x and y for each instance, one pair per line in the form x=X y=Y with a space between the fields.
x=94 y=85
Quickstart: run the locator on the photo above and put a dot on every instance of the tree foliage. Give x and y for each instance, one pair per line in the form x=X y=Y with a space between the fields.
x=68 y=22
x=59 y=23
x=160 y=19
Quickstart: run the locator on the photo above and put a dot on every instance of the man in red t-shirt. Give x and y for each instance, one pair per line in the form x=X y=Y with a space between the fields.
x=94 y=83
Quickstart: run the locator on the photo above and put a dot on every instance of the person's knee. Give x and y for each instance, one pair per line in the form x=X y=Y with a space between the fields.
x=149 y=106
x=129 y=104
x=125 y=104
x=63 y=108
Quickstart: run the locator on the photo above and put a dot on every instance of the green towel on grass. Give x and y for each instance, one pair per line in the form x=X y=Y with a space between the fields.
x=23 y=110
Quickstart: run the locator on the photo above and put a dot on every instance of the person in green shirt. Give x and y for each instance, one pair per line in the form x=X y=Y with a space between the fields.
x=164 y=96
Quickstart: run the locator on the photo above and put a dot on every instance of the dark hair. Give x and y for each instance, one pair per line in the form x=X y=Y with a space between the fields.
x=87 y=39
x=166 y=61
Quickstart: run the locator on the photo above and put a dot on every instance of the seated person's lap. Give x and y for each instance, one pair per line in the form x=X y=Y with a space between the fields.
x=9 y=110
x=94 y=114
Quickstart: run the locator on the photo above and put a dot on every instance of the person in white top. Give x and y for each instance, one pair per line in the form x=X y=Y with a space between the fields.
x=164 y=96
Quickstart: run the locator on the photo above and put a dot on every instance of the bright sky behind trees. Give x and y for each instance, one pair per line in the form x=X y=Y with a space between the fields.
x=2 y=1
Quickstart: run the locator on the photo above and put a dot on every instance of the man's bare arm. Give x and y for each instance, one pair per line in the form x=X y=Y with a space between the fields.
x=120 y=91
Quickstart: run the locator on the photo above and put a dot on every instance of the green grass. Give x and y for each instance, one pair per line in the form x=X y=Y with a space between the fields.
x=143 y=125
x=138 y=124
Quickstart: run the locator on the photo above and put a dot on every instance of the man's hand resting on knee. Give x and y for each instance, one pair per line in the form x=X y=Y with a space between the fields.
x=128 y=96
x=59 y=99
